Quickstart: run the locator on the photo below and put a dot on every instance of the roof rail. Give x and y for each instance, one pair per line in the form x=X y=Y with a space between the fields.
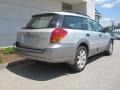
x=70 y=11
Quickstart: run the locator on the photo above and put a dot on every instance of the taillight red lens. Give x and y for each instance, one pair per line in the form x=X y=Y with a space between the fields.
x=57 y=35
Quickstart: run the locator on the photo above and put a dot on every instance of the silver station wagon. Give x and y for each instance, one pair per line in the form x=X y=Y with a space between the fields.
x=59 y=37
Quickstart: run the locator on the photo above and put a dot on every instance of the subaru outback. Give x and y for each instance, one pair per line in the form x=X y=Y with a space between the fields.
x=63 y=37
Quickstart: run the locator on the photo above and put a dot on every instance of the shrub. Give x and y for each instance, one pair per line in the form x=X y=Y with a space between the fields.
x=8 y=50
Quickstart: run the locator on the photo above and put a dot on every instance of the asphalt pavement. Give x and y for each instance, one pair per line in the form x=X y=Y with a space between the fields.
x=101 y=73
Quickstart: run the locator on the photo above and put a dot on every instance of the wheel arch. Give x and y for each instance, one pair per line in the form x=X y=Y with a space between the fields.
x=81 y=42
x=112 y=40
x=84 y=43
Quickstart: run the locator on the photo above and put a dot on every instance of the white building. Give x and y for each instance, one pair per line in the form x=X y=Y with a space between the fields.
x=15 y=13
x=97 y=16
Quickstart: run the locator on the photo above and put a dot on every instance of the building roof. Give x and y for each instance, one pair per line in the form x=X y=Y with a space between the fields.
x=97 y=13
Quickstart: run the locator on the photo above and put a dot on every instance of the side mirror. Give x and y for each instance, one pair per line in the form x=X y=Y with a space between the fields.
x=104 y=30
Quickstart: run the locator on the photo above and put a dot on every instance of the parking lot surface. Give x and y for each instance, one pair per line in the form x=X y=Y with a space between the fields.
x=101 y=73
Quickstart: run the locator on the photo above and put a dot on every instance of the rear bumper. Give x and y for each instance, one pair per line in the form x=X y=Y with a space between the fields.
x=54 y=53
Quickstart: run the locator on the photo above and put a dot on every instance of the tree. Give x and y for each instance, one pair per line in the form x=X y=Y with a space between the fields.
x=118 y=26
x=107 y=29
x=113 y=25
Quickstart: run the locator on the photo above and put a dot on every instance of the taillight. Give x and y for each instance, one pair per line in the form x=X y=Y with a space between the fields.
x=57 y=35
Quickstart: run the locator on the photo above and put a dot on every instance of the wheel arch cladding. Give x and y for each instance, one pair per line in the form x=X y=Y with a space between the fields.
x=85 y=44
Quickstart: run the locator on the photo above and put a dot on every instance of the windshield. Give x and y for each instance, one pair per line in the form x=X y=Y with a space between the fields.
x=42 y=21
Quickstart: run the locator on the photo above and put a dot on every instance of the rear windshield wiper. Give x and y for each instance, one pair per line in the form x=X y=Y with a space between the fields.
x=29 y=27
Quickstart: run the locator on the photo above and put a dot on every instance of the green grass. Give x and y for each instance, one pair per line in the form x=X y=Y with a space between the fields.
x=8 y=50
x=1 y=58
x=5 y=51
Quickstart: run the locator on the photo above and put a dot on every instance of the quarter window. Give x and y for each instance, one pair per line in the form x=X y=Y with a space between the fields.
x=72 y=22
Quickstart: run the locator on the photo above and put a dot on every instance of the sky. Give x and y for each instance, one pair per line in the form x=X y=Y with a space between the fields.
x=110 y=10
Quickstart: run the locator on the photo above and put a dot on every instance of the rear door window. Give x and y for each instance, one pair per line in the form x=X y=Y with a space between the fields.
x=43 y=21
x=86 y=25
x=92 y=25
x=95 y=26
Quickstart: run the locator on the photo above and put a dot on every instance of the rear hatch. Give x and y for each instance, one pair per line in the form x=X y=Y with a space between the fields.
x=37 y=33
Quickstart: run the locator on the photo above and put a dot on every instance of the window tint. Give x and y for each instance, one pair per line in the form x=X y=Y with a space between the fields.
x=72 y=22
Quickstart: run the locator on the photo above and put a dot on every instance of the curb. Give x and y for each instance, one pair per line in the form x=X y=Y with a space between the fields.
x=3 y=66
x=6 y=47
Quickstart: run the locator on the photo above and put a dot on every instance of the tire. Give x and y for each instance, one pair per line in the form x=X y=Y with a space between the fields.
x=109 y=51
x=80 y=59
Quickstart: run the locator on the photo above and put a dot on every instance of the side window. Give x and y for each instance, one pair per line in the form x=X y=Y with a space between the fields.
x=92 y=25
x=53 y=22
x=97 y=26
x=72 y=22
x=86 y=24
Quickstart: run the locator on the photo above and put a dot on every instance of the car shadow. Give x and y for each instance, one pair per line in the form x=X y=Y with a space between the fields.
x=95 y=57
x=41 y=71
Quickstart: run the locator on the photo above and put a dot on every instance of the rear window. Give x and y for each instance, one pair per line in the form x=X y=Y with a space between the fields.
x=43 y=21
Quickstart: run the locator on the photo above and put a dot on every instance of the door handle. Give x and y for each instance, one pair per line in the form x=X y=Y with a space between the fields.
x=88 y=35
